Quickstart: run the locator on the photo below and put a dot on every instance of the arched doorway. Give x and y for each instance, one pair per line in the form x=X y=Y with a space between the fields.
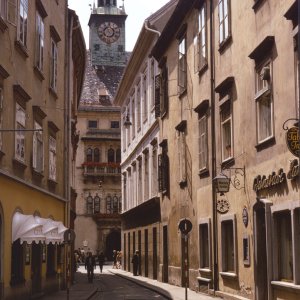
x=113 y=242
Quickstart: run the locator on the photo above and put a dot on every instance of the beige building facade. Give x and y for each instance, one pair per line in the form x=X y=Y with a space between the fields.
x=229 y=110
x=41 y=75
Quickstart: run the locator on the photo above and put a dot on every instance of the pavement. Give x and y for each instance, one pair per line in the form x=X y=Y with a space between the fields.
x=82 y=290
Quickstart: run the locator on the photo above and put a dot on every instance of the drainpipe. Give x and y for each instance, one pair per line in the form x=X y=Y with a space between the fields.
x=213 y=150
x=150 y=29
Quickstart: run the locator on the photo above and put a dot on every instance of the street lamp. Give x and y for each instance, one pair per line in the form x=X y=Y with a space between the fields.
x=222 y=184
x=127 y=122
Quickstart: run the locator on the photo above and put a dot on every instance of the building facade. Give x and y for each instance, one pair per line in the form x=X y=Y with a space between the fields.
x=229 y=114
x=141 y=216
x=99 y=153
x=39 y=84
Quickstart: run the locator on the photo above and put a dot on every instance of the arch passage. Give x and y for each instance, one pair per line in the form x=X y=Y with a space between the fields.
x=113 y=242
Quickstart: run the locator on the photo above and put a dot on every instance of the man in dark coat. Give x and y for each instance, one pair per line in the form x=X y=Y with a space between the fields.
x=101 y=260
x=90 y=265
x=135 y=262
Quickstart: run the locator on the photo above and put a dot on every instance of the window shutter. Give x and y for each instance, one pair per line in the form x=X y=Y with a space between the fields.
x=12 y=11
x=157 y=96
x=160 y=173
x=34 y=151
x=165 y=174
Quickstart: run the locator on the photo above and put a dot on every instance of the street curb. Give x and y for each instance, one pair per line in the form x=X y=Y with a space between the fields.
x=92 y=294
x=149 y=286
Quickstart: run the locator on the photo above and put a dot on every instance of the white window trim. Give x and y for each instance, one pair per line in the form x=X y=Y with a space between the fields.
x=205 y=137
x=182 y=70
x=20 y=124
x=205 y=221
x=24 y=38
x=40 y=40
x=230 y=118
x=233 y=219
x=223 y=22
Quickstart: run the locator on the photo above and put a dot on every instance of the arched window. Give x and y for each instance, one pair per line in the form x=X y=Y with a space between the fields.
x=115 y=205
x=118 y=155
x=89 y=204
x=111 y=155
x=96 y=155
x=89 y=155
x=108 y=205
x=97 y=204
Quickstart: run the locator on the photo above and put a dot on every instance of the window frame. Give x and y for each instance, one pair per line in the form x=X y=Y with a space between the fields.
x=138 y=105
x=52 y=158
x=53 y=64
x=90 y=122
x=23 y=22
x=222 y=22
x=20 y=124
x=89 y=204
x=164 y=91
x=40 y=41
x=226 y=106
x=208 y=265
x=182 y=64
x=203 y=138
x=38 y=148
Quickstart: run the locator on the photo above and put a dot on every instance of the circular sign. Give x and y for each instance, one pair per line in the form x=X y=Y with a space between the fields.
x=185 y=226
x=245 y=216
x=293 y=140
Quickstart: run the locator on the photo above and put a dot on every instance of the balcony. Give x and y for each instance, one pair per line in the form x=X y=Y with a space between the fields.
x=101 y=169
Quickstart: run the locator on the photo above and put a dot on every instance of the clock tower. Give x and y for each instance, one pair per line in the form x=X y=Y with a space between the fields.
x=107 y=34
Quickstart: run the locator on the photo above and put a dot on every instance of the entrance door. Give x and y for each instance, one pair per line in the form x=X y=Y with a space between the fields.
x=165 y=255
x=36 y=268
x=113 y=242
x=260 y=252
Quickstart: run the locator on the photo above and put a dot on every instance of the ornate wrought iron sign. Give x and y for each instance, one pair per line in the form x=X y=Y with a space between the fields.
x=292 y=137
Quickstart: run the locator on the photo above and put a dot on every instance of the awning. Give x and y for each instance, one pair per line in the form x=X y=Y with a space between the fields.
x=29 y=228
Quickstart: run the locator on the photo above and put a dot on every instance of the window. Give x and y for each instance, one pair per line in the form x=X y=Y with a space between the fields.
x=115 y=205
x=200 y=45
x=11 y=11
x=108 y=204
x=118 y=155
x=96 y=155
x=226 y=131
x=89 y=205
x=145 y=97
x=133 y=117
x=53 y=65
x=3 y=9
x=52 y=158
x=228 y=244
x=23 y=22
x=164 y=93
x=154 y=171
x=285 y=245
x=264 y=105
x=203 y=143
x=181 y=151
x=163 y=169
x=138 y=106
x=224 y=20
x=92 y=124
x=111 y=155
x=146 y=175
x=20 y=133
x=152 y=83
x=39 y=59
x=96 y=204
x=140 y=182
x=114 y=124
x=89 y=155
x=124 y=191
x=182 y=65
x=17 y=263
x=204 y=240
x=38 y=148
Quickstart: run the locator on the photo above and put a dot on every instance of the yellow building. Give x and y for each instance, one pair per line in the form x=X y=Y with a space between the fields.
x=42 y=58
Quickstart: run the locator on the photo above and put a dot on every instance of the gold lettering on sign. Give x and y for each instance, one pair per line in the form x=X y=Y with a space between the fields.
x=263 y=182
x=294 y=169
x=293 y=140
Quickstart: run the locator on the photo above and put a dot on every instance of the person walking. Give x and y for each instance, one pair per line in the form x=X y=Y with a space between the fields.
x=90 y=265
x=114 y=259
x=101 y=260
x=135 y=263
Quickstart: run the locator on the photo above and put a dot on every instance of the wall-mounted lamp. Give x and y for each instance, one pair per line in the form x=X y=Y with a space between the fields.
x=222 y=182
x=127 y=122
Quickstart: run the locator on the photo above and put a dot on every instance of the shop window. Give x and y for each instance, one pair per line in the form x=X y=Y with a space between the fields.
x=51 y=260
x=52 y=158
x=20 y=133
x=17 y=263
x=38 y=148
x=204 y=241
x=111 y=155
x=97 y=204
x=182 y=65
x=228 y=237
x=96 y=155
x=200 y=40
x=224 y=21
x=89 y=205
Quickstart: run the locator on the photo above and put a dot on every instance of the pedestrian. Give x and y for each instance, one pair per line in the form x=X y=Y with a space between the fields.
x=114 y=259
x=119 y=259
x=135 y=262
x=101 y=260
x=90 y=265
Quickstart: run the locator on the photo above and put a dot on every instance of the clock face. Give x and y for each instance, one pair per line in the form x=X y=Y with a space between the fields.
x=109 y=32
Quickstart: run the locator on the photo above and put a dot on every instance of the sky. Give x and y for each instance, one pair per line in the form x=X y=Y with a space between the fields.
x=137 y=11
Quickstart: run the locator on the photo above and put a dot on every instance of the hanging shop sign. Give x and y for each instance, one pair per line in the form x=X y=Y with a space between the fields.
x=293 y=140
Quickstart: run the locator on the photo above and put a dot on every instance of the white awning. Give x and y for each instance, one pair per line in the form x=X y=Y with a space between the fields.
x=29 y=228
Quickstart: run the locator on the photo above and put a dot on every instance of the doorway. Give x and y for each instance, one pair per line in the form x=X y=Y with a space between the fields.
x=154 y=253
x=165 y=277
x=113 y=242
x=36 y=268
x=261 y=237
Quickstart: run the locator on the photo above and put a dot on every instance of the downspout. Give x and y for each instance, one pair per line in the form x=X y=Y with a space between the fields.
x=150 y=29
x=213 y=156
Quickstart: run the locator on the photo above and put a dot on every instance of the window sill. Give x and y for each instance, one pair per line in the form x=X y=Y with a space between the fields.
x=53 y=92
x=19 y=163
x=229 y=274
x=22 y=49
x=224 y=44
x=266 y=143
x=39 y=73
x=182 y=93
x=199 y=278
x=52 y=182
x=38 y=174
x=3 y=25
x=227 y=163
x=203 y=69
x=203 y=173
x=205 y=270
x=286 y=285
